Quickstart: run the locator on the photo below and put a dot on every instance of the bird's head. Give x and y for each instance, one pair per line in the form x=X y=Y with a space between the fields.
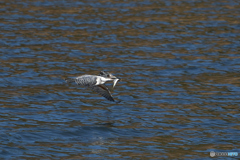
x=107 y=75
x=110 y=76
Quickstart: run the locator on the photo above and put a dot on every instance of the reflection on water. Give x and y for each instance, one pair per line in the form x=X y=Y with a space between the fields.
x=180 y=92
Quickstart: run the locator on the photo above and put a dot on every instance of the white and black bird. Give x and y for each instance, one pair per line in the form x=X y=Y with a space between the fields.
x=96 y=83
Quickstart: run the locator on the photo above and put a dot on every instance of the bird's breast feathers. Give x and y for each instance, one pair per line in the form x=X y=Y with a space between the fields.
x=101 y=80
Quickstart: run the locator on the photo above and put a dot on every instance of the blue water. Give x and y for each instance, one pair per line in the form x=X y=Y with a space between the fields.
x=179 y=64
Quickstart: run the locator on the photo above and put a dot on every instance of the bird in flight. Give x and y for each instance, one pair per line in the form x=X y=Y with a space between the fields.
x=96 y=83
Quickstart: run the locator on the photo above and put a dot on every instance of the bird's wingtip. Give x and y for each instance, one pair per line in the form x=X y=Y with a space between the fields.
x=118 y=101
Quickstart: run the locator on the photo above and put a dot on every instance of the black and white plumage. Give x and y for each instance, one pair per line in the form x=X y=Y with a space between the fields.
x=96 y=83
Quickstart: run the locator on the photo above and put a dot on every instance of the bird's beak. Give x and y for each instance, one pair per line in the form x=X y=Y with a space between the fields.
x=113 y=77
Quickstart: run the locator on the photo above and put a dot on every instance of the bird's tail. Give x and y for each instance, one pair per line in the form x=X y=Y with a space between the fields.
x=69 y=80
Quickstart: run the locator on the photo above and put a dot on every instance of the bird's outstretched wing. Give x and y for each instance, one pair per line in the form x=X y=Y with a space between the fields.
x=103 y=91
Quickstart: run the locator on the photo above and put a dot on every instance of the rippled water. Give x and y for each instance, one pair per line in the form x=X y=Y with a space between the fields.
x=179 y=61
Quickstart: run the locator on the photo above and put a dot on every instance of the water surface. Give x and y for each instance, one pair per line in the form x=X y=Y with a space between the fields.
x=179 y=61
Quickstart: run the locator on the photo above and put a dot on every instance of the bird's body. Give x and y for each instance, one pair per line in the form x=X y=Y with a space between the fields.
x=96 y=83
